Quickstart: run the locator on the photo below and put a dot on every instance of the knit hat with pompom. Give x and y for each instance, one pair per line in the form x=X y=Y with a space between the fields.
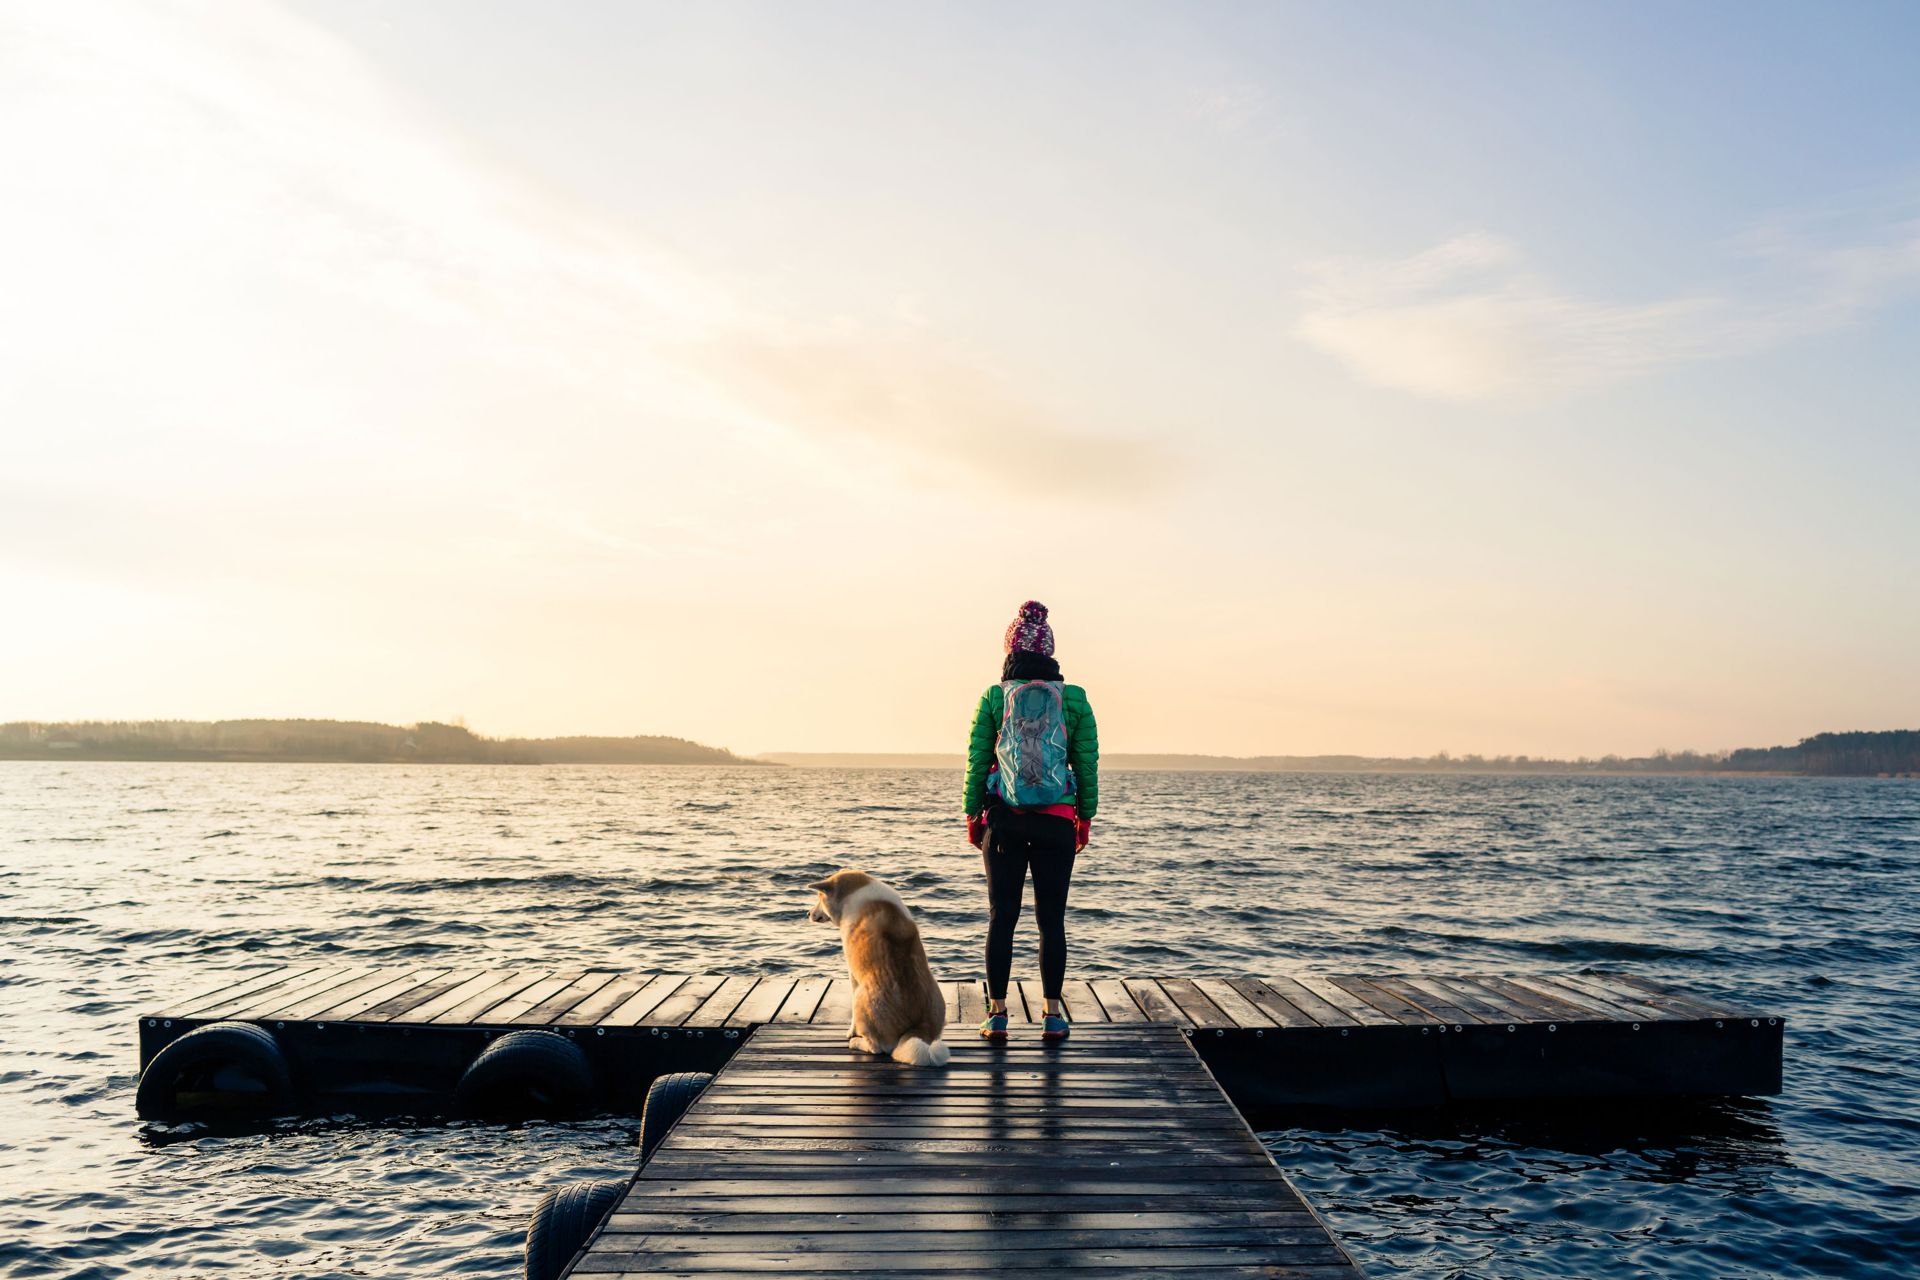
x=1030 y=632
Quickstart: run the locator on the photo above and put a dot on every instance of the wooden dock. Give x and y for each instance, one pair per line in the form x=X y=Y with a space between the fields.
x=1114 y=1155
x=1409 y=1040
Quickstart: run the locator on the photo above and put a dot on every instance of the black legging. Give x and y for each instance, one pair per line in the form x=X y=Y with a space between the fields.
x=1015 y=842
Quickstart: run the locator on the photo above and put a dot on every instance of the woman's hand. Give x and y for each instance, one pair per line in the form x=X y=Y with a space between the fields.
x=976 y=830
x=1082 y=832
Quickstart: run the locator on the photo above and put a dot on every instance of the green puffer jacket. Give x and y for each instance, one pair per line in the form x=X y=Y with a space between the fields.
x=1083 y=748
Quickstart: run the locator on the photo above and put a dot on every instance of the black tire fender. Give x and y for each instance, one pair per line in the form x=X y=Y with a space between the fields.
x=563 y=1222
x=668 y=1098
x=223 y=1067
x=527 y=1073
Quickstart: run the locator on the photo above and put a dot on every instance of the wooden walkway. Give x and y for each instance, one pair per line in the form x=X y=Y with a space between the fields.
x=608 y=998
x=1115 y=1155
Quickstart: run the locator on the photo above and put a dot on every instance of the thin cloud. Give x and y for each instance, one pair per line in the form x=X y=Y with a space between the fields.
x=925 y=403
x=1471 y=320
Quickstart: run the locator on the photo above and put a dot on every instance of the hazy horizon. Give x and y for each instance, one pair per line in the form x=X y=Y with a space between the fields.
x=777 y=753
x=1375 y=380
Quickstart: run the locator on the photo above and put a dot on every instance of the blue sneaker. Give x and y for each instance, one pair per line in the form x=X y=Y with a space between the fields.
x=995 y=1027
x=1054 y=1027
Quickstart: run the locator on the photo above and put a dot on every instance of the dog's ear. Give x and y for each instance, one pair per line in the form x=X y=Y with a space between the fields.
x=822 y=885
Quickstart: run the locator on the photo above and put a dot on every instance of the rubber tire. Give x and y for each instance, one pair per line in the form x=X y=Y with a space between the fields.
x=527 y=1073
x=563 y=1221
x=206 y=1050
x=668 y=1098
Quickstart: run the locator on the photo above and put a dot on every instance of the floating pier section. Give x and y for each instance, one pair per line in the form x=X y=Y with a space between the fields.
x=1120 y=1153
x=405 y=1038
x=1114 y=1155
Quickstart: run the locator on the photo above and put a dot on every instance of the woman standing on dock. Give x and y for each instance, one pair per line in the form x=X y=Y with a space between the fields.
x=1033 y=782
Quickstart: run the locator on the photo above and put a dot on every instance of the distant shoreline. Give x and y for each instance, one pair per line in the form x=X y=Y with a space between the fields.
x=1881 y=754
x=334 y=742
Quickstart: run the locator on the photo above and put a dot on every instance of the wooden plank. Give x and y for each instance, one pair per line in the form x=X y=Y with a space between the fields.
x=396 y=1008
x=1120 y=1103
x=1025 y=1002
x=474 y=1008
x=995 y=1262
x=1712 y=1008
x=1030 y=1220
x=922 y=1116
x=1200 y=1011
x=586 y=1000
x=955 y=1257
x=1643 y=1007
x=804 y=1269
x=762 y=1003
x=1205 y=1166
x=1082 y=1005
x=836 y=1006
x=1597 y=1010
x=447 y=999
x=854 y=1183
x=633 y=1011
x=719 y=1006
x=1310 y=1002
x=1401 y=1010
x=805 y=998
x=754 y=1196
x=1550 y=1008
x=880 y=1097
x=1240 y=1011
x=900 y=1239
x=1677 y=1003
x=549 y=1011
x=232 y=987
x=973 y=1004
x=533 y=994
x=849 y=1148
x=277 y=1002
x=1117 y=1004
x=1436 y=1002
x=640 y=1268
x=1155 y=1003
x=309 y=1009
x=288 y=990
x=392 y=988
x=1278 y=1009
x=1489 y=1007
x=950 y=998
x=686 y=999
x=1356 y=1011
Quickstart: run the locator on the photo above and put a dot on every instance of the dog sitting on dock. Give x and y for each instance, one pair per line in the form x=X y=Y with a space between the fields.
x=898 y=1010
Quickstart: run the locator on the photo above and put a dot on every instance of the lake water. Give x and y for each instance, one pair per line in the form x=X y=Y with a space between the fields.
x=121 y=884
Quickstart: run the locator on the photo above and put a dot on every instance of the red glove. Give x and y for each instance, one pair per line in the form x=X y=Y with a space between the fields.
x=976 y=831
x=1082 y=832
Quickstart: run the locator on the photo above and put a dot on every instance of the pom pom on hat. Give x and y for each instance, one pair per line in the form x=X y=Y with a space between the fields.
x=1029 y=632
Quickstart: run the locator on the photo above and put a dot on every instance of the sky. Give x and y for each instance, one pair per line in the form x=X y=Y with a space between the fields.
x=1385 y=379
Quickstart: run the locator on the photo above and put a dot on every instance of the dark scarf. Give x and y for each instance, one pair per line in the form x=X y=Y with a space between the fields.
x=1022 y=665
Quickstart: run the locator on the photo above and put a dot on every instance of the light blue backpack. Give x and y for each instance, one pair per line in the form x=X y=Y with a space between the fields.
x=1032 y=747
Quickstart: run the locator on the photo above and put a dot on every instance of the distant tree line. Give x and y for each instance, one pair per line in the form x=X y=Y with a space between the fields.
x=1893 y=751
x=345 y=741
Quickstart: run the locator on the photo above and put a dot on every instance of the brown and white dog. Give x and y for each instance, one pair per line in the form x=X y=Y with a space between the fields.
x=897 y=1006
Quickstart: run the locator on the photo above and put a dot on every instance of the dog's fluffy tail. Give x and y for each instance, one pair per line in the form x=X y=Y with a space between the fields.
x=916 y=1052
